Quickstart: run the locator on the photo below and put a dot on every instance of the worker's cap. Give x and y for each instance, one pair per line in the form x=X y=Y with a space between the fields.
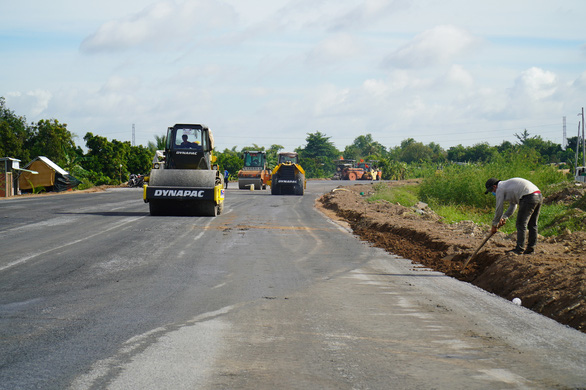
x=491 y=183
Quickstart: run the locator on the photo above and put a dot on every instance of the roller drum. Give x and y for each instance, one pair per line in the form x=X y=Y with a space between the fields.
x=183 y=178
x=243 y=183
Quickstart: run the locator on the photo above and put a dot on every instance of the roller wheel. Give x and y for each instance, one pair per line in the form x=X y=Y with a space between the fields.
x=299 y=185
x=351 y=176
x=210 y=208
x=156 y=208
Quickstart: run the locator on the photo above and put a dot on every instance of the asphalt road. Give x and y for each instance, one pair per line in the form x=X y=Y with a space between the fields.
x=96 y=294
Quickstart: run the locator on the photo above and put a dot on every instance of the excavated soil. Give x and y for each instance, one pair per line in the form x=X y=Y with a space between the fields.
x=551 y=281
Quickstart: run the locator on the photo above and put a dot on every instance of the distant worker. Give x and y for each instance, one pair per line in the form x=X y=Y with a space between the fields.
x=520 y=192
x=226 y=177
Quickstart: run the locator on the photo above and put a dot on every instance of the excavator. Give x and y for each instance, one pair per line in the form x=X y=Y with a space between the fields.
x=184 y=179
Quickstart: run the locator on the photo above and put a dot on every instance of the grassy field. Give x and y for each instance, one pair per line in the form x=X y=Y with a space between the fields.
x=456 y=193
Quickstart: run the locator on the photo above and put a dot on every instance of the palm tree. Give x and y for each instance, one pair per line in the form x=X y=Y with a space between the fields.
x=159 y=144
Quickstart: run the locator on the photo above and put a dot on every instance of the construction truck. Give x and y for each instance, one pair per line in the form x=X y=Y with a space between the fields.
x=184 y=179
x=370 y=171
x=288 y=177
x=254 y=172
x=342 y=167
x=351 y=170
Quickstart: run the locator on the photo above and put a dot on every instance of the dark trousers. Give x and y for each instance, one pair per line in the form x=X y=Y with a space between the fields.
x=527 y=217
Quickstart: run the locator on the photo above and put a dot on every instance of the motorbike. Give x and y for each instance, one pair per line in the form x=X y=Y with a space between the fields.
x=135 y=180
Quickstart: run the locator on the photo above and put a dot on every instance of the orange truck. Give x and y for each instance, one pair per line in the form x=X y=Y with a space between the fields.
x=254 y=172
x=350 y=170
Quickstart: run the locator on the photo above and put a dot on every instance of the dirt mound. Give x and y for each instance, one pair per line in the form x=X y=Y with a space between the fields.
x=567 y=195
x=551 y=282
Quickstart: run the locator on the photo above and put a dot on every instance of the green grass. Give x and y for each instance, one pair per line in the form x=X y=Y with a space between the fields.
x=464 y=184
x=405 y=195
x=557 y=219
x=457 y=194
x=553 y=219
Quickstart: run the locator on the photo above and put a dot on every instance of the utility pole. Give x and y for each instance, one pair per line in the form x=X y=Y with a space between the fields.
x=583 y=141
x=581 y=171
x=564 y=138
x=133 y=135
x=577 y=148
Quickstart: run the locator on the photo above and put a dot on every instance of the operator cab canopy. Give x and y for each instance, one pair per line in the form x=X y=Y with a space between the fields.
x=288 y=157
x=188 y=138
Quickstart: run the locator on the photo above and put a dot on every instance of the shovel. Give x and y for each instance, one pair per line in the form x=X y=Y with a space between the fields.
x=477 y=249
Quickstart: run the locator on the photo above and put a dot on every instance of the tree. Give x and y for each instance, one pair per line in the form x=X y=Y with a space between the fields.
x=548 y=150
x=416 y=152
x=569 y=155
x=51 y=139
x=505 y=146
x=159 y=144
x=318 y=155
x=364 y=147
x=438 y=153
x=273 y=155
x=318 y=145
x=407 y=142
x=13 y=134
x=140 y=160
x=393 y=170
x=110 y=159
x=523 y=137
x=481 y=152
x=253 y=148
x=230 y=160
x=457 y=153
x=73 y=163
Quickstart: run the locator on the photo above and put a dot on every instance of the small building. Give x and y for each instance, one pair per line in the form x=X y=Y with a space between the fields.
x=50 y=176
x=8 y=173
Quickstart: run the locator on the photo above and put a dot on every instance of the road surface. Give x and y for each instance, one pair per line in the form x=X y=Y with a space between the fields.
x=97 y=294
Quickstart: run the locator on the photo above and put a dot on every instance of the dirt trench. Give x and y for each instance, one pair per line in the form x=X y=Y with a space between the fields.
x=551 y=281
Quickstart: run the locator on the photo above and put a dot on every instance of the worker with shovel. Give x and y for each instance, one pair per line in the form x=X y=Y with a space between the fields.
x=520 y=192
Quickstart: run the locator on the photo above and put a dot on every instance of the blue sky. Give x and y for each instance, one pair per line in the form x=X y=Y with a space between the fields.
x=270 y=72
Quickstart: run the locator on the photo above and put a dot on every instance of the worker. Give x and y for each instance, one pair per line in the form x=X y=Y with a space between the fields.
x=188 y=144
x=520 y=192
x=226 y=177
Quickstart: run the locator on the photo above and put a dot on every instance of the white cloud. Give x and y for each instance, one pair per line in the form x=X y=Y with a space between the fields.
x=334 y=49
x=116 y=84
x=369 y=11
x=534 y=84
x=375 y=87
x=458 y=75
x=33 y=102
x=262 y=71
x=439 y=45
x=331 y=100
x=162 y=25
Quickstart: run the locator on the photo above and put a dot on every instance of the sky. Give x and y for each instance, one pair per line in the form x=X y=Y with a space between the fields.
x=265 y=72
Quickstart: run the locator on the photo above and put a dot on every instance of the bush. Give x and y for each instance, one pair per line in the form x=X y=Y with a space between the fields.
x=464 y=184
